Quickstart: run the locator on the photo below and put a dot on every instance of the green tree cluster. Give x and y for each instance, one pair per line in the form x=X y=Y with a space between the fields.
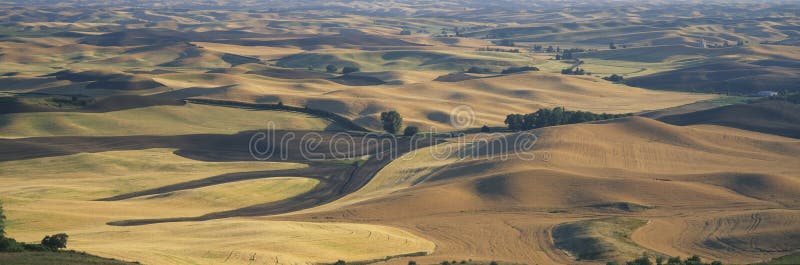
x=512 y=70
x=694 y=260
x=576 y=71
x=553 y=117
x=392 y=121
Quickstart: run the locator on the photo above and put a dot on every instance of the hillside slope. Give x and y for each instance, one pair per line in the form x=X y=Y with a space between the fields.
x=774 y=117
x=634 y=167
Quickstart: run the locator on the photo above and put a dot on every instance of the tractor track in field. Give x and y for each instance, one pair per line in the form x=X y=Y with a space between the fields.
x=336 y=179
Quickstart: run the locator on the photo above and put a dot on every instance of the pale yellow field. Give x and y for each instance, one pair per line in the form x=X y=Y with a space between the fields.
x=578 y=172
x=635 y=184
x=50 y=195
x=157 y=120
x=265 y=53
x=429 y=104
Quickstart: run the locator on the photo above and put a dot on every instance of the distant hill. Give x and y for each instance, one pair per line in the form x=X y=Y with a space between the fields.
x=108 y=79
x=725 y=77
x=150 y=36
x=772 y=116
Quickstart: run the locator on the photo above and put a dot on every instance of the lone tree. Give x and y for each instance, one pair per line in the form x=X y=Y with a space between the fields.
x=56 y=241
x=411 y=131
x=392 y=121
x=350 y=69
x=331 y=68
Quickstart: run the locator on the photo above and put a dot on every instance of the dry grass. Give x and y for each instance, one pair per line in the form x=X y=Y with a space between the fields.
x=505 y=208
x=37 y=205
x=157 y=120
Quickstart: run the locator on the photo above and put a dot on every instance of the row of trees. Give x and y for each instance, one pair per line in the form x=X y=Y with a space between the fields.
x=694 y=260
x=553 y=117
x=7 y=244
x=575 y=71
x=510 y=70
x=491 y=49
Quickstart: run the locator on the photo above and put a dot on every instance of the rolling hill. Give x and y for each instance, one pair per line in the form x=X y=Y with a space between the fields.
x=676 y=174
x=771 y=116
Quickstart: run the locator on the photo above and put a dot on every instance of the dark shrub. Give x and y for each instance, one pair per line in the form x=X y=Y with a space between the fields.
x=410 y=131
x=350 y=69
x=56 y=241
x=331 y=68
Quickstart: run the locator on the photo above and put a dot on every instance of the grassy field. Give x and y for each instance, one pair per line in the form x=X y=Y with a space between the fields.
x=784 y=260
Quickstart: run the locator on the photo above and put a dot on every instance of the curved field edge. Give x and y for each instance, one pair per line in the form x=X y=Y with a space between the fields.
x=599 y=239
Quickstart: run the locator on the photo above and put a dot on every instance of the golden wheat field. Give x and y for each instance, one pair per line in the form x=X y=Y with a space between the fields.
x=399 y=132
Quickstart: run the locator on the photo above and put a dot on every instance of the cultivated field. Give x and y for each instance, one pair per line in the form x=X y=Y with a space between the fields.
x=135 y=128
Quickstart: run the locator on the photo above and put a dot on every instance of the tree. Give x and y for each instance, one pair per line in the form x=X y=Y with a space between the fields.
x=493 y=263
x=280 y=103
x=410 y=131
x=392 y=121
x=486 y=129
x=659 y=260
x=350 y=69
x=331 y=68
x=612 y=46
x=411 y=262
x=614 y=78
x=506 y=42
x=514 y=121
x=340 y=262
x=56 y=241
